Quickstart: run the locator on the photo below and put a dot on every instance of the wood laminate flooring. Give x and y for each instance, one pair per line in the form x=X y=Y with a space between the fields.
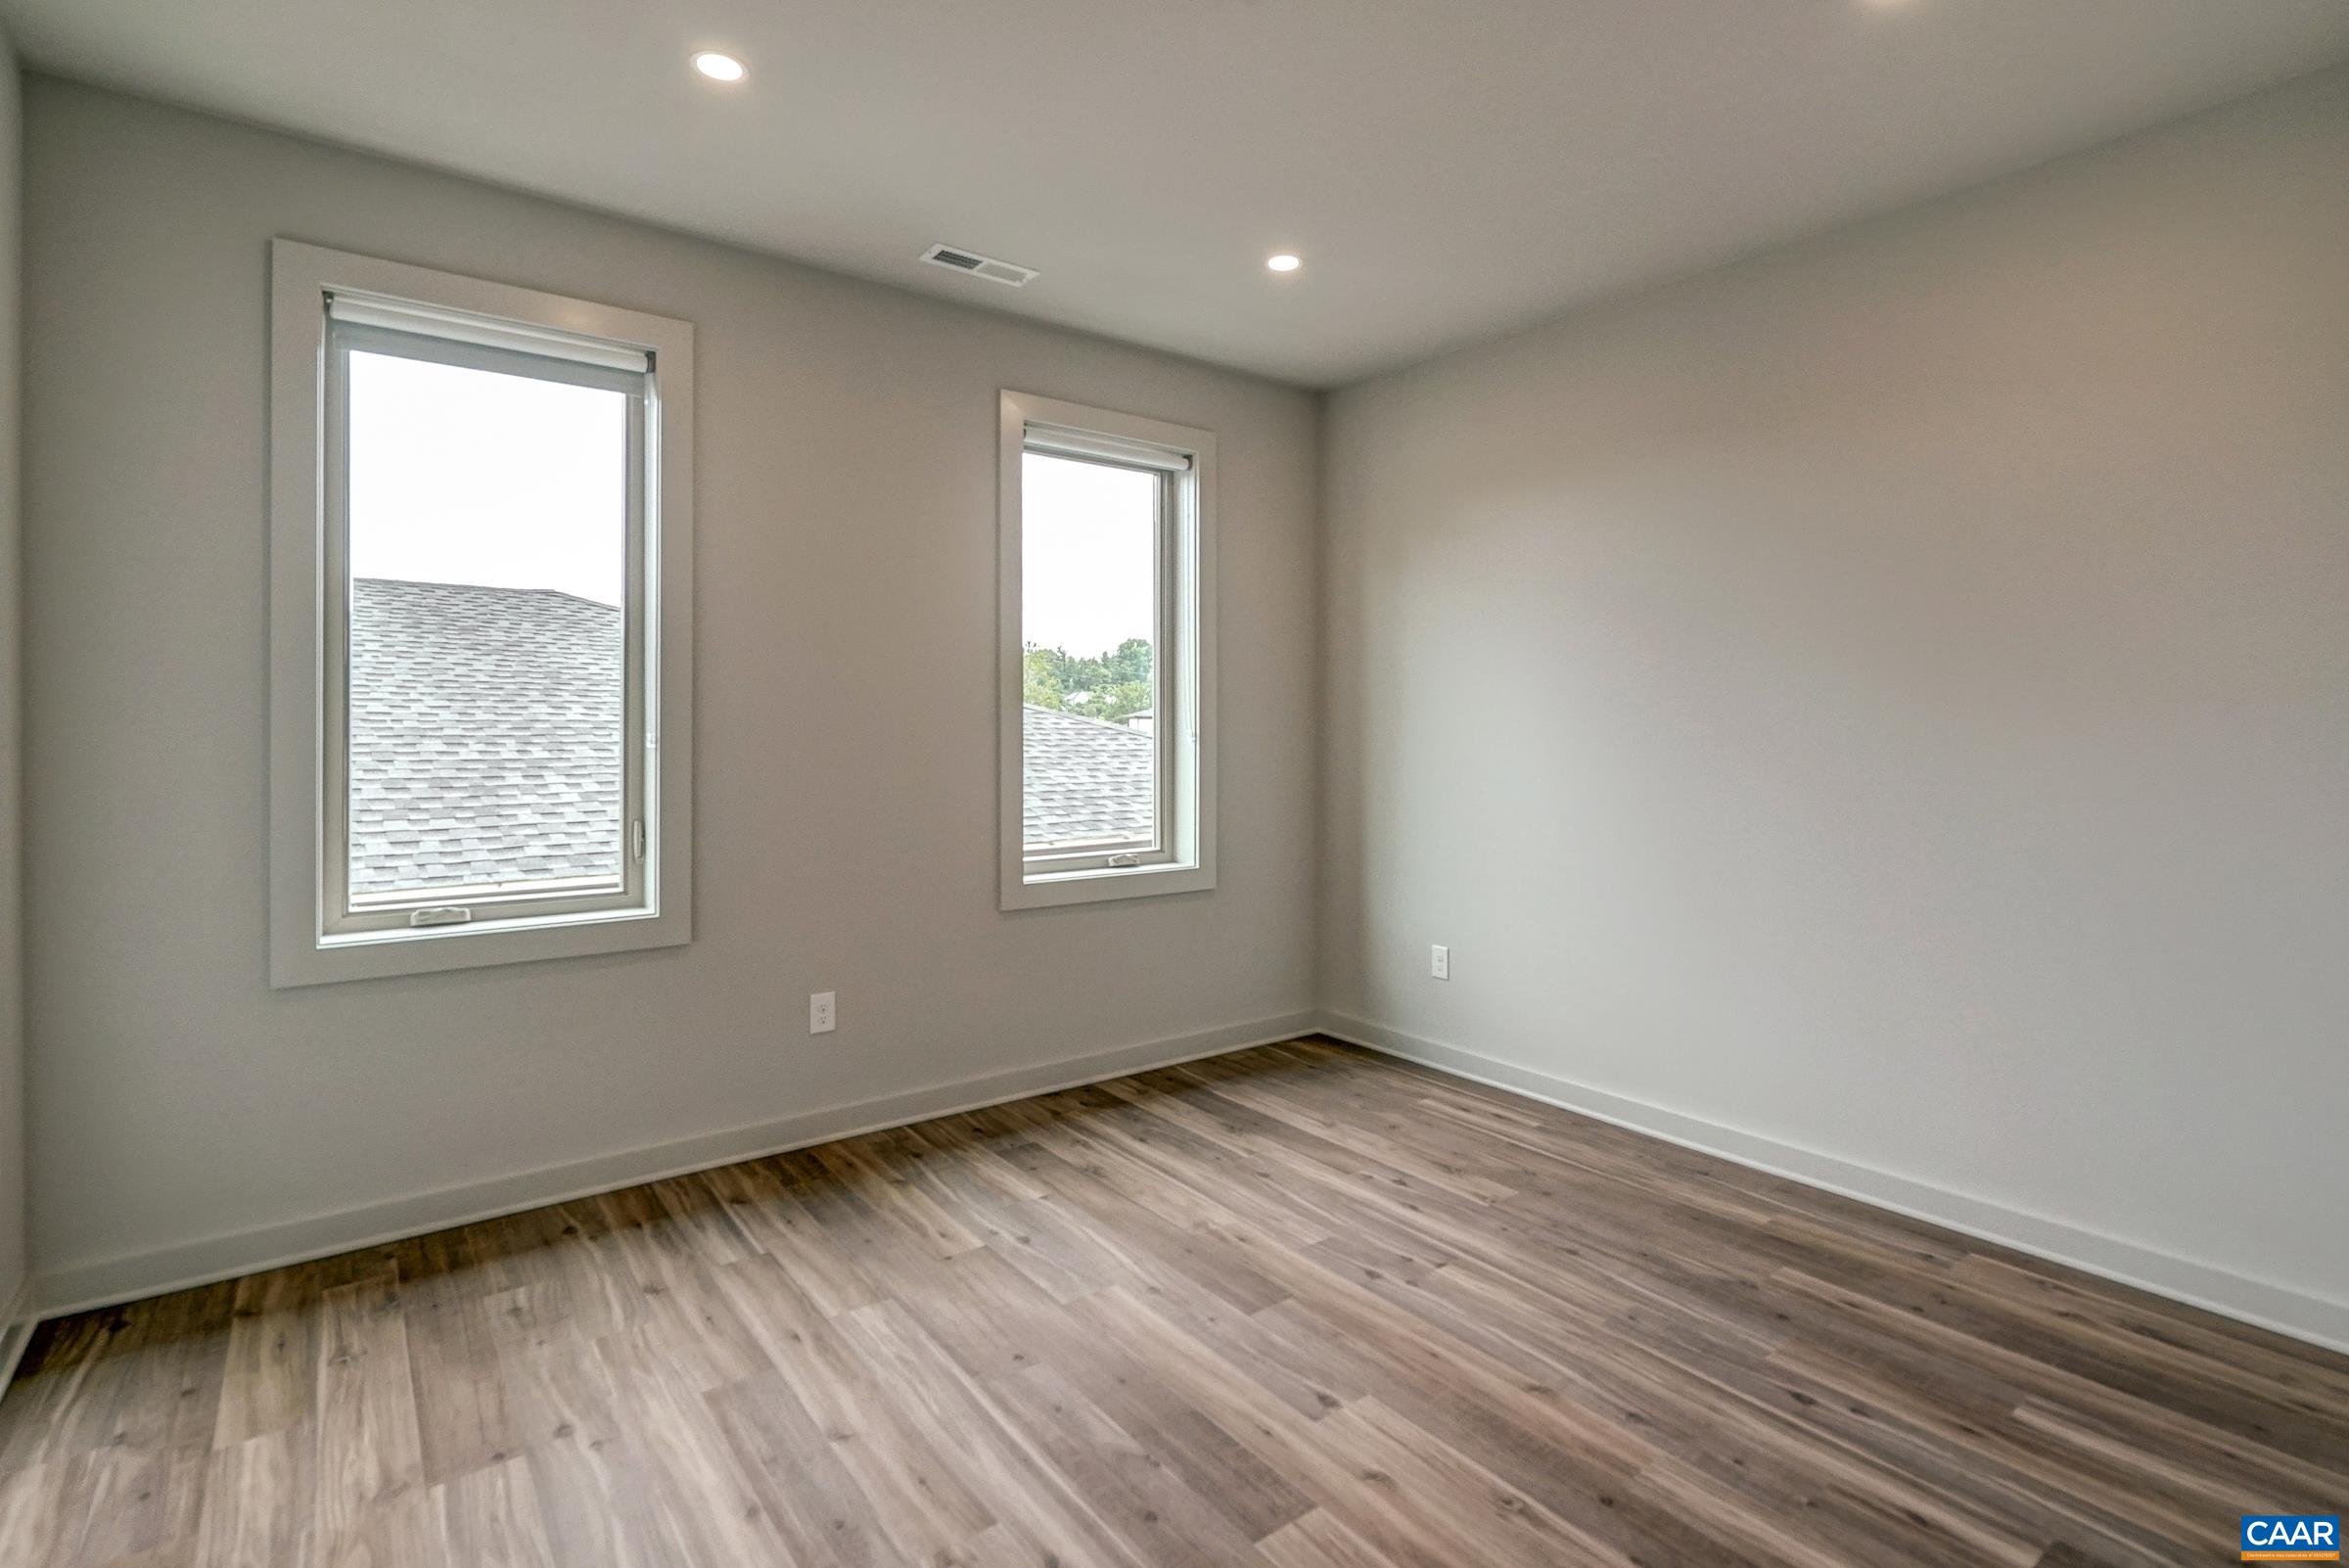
x=1295 y=1307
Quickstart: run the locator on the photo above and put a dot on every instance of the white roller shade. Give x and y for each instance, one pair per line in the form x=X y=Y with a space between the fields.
x=1061 y=442
x=400 y=316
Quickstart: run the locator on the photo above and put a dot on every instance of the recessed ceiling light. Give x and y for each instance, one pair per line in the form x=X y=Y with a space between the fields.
x=718 y=68
x=1283 y=263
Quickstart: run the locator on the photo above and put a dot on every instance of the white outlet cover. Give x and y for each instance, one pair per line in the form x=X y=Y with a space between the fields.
x=822 y=1015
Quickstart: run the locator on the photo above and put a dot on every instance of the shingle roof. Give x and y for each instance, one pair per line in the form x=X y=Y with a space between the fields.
x=484 y=735
x=1085 y=779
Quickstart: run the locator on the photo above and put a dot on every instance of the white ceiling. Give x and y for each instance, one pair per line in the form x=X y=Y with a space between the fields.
x=1447 y=169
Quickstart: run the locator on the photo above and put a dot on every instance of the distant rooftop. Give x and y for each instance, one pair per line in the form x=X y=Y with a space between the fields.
x=1085 y=779
x=484 y=735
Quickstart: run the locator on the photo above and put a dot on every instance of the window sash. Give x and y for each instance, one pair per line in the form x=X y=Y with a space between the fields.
x=1155 y=847
x=408 y=912
x=1183 y=857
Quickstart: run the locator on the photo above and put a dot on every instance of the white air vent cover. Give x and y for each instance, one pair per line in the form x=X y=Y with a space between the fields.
x=1008 y=273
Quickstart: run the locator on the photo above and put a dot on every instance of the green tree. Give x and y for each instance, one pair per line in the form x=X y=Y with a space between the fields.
x=1110 y=687
x=1039 y=683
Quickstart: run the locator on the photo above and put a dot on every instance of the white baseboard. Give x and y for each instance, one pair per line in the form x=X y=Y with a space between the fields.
x=15 y=1332
x=132 y=1277
x=2258 y=1302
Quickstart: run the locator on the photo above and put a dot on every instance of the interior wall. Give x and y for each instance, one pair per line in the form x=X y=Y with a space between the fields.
x=844 y=786
x=12 y=1207
x=1890 y=699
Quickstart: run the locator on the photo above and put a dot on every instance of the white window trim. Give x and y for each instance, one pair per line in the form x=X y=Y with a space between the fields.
x=304 y=949
x=1187 y=862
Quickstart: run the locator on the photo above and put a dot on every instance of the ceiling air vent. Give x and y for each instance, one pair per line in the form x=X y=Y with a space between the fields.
x=980 y=266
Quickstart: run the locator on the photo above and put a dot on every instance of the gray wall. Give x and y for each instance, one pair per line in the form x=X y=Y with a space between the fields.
x=1892 y=696
x=13 y=1209
x=844 y=714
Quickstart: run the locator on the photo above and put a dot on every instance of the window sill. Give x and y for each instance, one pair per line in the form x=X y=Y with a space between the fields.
x=381 y=954
x=1043 y=892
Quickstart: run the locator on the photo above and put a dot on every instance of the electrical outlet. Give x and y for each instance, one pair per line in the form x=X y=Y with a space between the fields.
x=1439 y=961
x=821 y=1019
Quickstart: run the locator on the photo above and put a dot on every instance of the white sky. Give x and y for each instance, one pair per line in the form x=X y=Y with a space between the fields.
x=465 y=476
x=1088 y=563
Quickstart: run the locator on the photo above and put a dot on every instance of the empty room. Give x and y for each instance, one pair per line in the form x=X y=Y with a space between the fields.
x=1113 y=784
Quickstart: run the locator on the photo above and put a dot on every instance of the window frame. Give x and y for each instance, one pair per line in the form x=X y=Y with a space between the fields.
x=1180 y=856
x=316 y=934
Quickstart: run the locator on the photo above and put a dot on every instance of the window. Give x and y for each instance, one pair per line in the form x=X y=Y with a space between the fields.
x=481 y=594
x=1107 y=657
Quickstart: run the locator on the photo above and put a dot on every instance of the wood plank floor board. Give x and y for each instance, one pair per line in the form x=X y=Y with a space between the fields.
x=824 y=1517
x=1138 y=1493
x=1319 y=1539
x=1992 y=1467
x=2267 y=1361
x=1299 y=1307
x=493 y=1518
x=462 y=1420
x=1143 y=1401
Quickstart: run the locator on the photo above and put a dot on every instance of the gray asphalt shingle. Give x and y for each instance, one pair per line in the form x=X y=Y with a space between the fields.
x=484 y=735
x=1085 y=779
